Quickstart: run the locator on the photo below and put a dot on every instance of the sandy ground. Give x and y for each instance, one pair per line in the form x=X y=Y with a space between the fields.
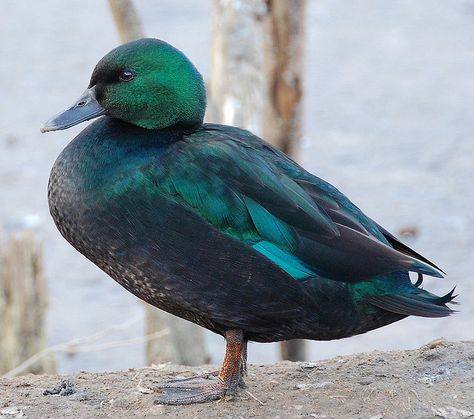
x=436 y=380
x=388 y=119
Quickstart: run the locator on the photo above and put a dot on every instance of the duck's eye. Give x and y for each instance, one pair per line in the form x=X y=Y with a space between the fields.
x=126 y=75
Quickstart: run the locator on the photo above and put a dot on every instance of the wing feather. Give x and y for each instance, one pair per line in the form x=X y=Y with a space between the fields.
x=248 y=190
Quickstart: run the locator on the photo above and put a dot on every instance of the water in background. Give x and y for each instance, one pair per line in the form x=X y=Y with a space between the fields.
x=388 y=120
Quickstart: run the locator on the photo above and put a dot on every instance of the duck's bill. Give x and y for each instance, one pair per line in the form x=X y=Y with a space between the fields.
x=85 y=108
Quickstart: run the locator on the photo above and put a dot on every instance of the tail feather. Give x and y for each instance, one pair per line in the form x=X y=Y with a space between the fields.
x=419 y=281
x=448 y=298
x=414 y=304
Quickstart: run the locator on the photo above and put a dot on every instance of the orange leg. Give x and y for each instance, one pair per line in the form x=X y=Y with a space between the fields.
x=210 y=387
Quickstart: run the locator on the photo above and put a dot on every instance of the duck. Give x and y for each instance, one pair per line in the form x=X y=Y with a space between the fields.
x=214 y=225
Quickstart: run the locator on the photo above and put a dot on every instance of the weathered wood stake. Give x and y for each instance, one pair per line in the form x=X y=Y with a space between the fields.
x=23 y=303
x=184 y=345
x=127 y=20
x=256 y=77
x=283 y=69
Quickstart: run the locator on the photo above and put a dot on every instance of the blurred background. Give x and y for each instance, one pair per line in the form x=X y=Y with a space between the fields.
x=384 y=112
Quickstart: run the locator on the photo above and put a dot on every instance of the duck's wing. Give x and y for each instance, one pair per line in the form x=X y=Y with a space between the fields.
x=243 y=190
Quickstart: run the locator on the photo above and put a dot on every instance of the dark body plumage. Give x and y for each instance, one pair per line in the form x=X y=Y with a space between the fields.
x=211 y=224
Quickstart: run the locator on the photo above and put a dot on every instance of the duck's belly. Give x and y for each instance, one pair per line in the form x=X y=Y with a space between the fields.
x=169 y=257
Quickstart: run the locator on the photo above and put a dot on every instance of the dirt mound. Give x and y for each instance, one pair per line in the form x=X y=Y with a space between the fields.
x=436 y=380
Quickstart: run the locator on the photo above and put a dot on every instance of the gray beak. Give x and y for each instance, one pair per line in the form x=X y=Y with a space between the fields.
x=85 y=108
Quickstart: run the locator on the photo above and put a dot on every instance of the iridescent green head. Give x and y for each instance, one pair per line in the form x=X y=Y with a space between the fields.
x=147 y=83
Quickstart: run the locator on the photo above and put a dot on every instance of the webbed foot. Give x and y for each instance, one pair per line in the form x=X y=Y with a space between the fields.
x=211 y=386
x=193 y=390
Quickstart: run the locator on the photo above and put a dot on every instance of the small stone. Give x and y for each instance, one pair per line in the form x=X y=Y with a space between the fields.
x=11 y=412
x=450 y=412
x=64 y=388
x=312 y=386
x=144 y=390
x=365 y=381
x=308 y=365
x=438 y=343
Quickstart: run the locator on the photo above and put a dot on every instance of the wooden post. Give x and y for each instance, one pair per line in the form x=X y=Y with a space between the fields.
x=283 y=67
x=257 y=68
x=256 y=77
x=23 y=303
x=127 y=20
x=185 y=343
x=282 y=126
x=236 y=88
